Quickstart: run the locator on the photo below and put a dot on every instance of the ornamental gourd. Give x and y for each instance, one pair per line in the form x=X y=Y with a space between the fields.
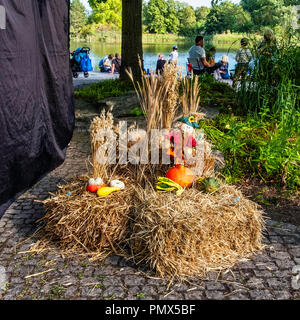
x=181 y=175
x=105 y=191
x=95 y=184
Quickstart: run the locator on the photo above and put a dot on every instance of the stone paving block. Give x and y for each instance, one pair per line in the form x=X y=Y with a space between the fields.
x=292 y=239
x=180 y=287
x=280 y=255
x=270 y=266
x=285 y=264
x=297 y=260
x=133 y=280
x=112 y=291
x=276 y=239
x=255 y=283
x=261 y=295
x=133 y=291
x=112 y=281
x=295 y=251
x=87 y=292
x=282 y=295
x=149 y=290
x=214 y=295
x=173 y=296
x=214 y=286
x=238 y=294
x=278 y=284
x=194 y=295
x=262 y=273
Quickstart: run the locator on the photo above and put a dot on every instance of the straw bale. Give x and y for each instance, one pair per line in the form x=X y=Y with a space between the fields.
x=189 y=235
x=81 y=222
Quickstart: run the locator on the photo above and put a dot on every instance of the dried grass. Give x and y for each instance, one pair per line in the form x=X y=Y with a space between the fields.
x=158 y=97
x=85 y=224
x=190 y=98
x=187 y=236
x=101 y=123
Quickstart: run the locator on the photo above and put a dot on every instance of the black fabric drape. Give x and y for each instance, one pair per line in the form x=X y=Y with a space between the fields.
x=36 y=93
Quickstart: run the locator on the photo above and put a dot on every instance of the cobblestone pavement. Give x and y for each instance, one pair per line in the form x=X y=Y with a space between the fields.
x=268 y=275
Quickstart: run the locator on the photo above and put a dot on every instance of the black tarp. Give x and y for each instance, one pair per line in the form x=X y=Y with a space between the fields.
x=36 y=93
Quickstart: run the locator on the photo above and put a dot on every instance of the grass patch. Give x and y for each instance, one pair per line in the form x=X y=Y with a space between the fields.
x=254 y=147
x=103 y=89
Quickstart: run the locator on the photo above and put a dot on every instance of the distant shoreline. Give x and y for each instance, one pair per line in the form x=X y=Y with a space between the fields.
x=218 y=40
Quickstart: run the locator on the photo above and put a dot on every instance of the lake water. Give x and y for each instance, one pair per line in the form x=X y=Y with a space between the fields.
x=99 y=50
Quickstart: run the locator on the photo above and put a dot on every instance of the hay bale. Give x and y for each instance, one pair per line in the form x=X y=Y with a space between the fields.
x=194 y=233
x=82 y=223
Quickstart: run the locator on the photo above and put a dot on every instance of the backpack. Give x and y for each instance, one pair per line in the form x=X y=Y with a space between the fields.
x=86 y=64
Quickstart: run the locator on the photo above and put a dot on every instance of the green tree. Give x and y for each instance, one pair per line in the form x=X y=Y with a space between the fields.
x=171 y=19
x=107 y=12
x=228 y=16
x=266 y=13
x=187 y=20
x=242 y=20
x=78 y=18
x=201 y=13
x=155 y=12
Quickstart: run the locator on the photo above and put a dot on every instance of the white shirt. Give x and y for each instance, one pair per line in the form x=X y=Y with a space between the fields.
x=173 y=56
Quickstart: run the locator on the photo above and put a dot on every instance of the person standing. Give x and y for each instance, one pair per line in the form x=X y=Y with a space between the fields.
x=197 y=52
x=174 y=55
x=243 y=57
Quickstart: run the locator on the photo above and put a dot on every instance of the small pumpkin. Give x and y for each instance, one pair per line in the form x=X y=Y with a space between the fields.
x=209 y=185
x=181 y=175
x=95 y=188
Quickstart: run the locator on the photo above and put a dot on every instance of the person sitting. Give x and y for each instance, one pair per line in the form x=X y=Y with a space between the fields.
x=116 y=64
x=105 y=63
x=243 y=57
x=160 y=64
x=224 y=73
x=197 y=52
x=210 y=55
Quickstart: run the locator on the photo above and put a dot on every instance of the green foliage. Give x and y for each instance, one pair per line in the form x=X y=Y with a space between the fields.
x=107 y=12
x=254 y=147
x=263 y=139
x=177 y=17
x=201 y=14
x=215 y=93
x=267 y=12
x=187 y=19
x=155 y=13
x=228 y=16
x=78 y=18
x=273 y=85
x=104 y=89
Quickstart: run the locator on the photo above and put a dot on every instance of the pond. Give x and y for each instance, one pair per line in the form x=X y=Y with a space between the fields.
x=99 y=50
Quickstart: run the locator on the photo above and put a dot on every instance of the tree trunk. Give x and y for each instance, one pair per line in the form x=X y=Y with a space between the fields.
x=132 y=48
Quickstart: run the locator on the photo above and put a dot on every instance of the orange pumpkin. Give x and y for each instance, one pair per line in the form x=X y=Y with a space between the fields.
x=181 y=175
